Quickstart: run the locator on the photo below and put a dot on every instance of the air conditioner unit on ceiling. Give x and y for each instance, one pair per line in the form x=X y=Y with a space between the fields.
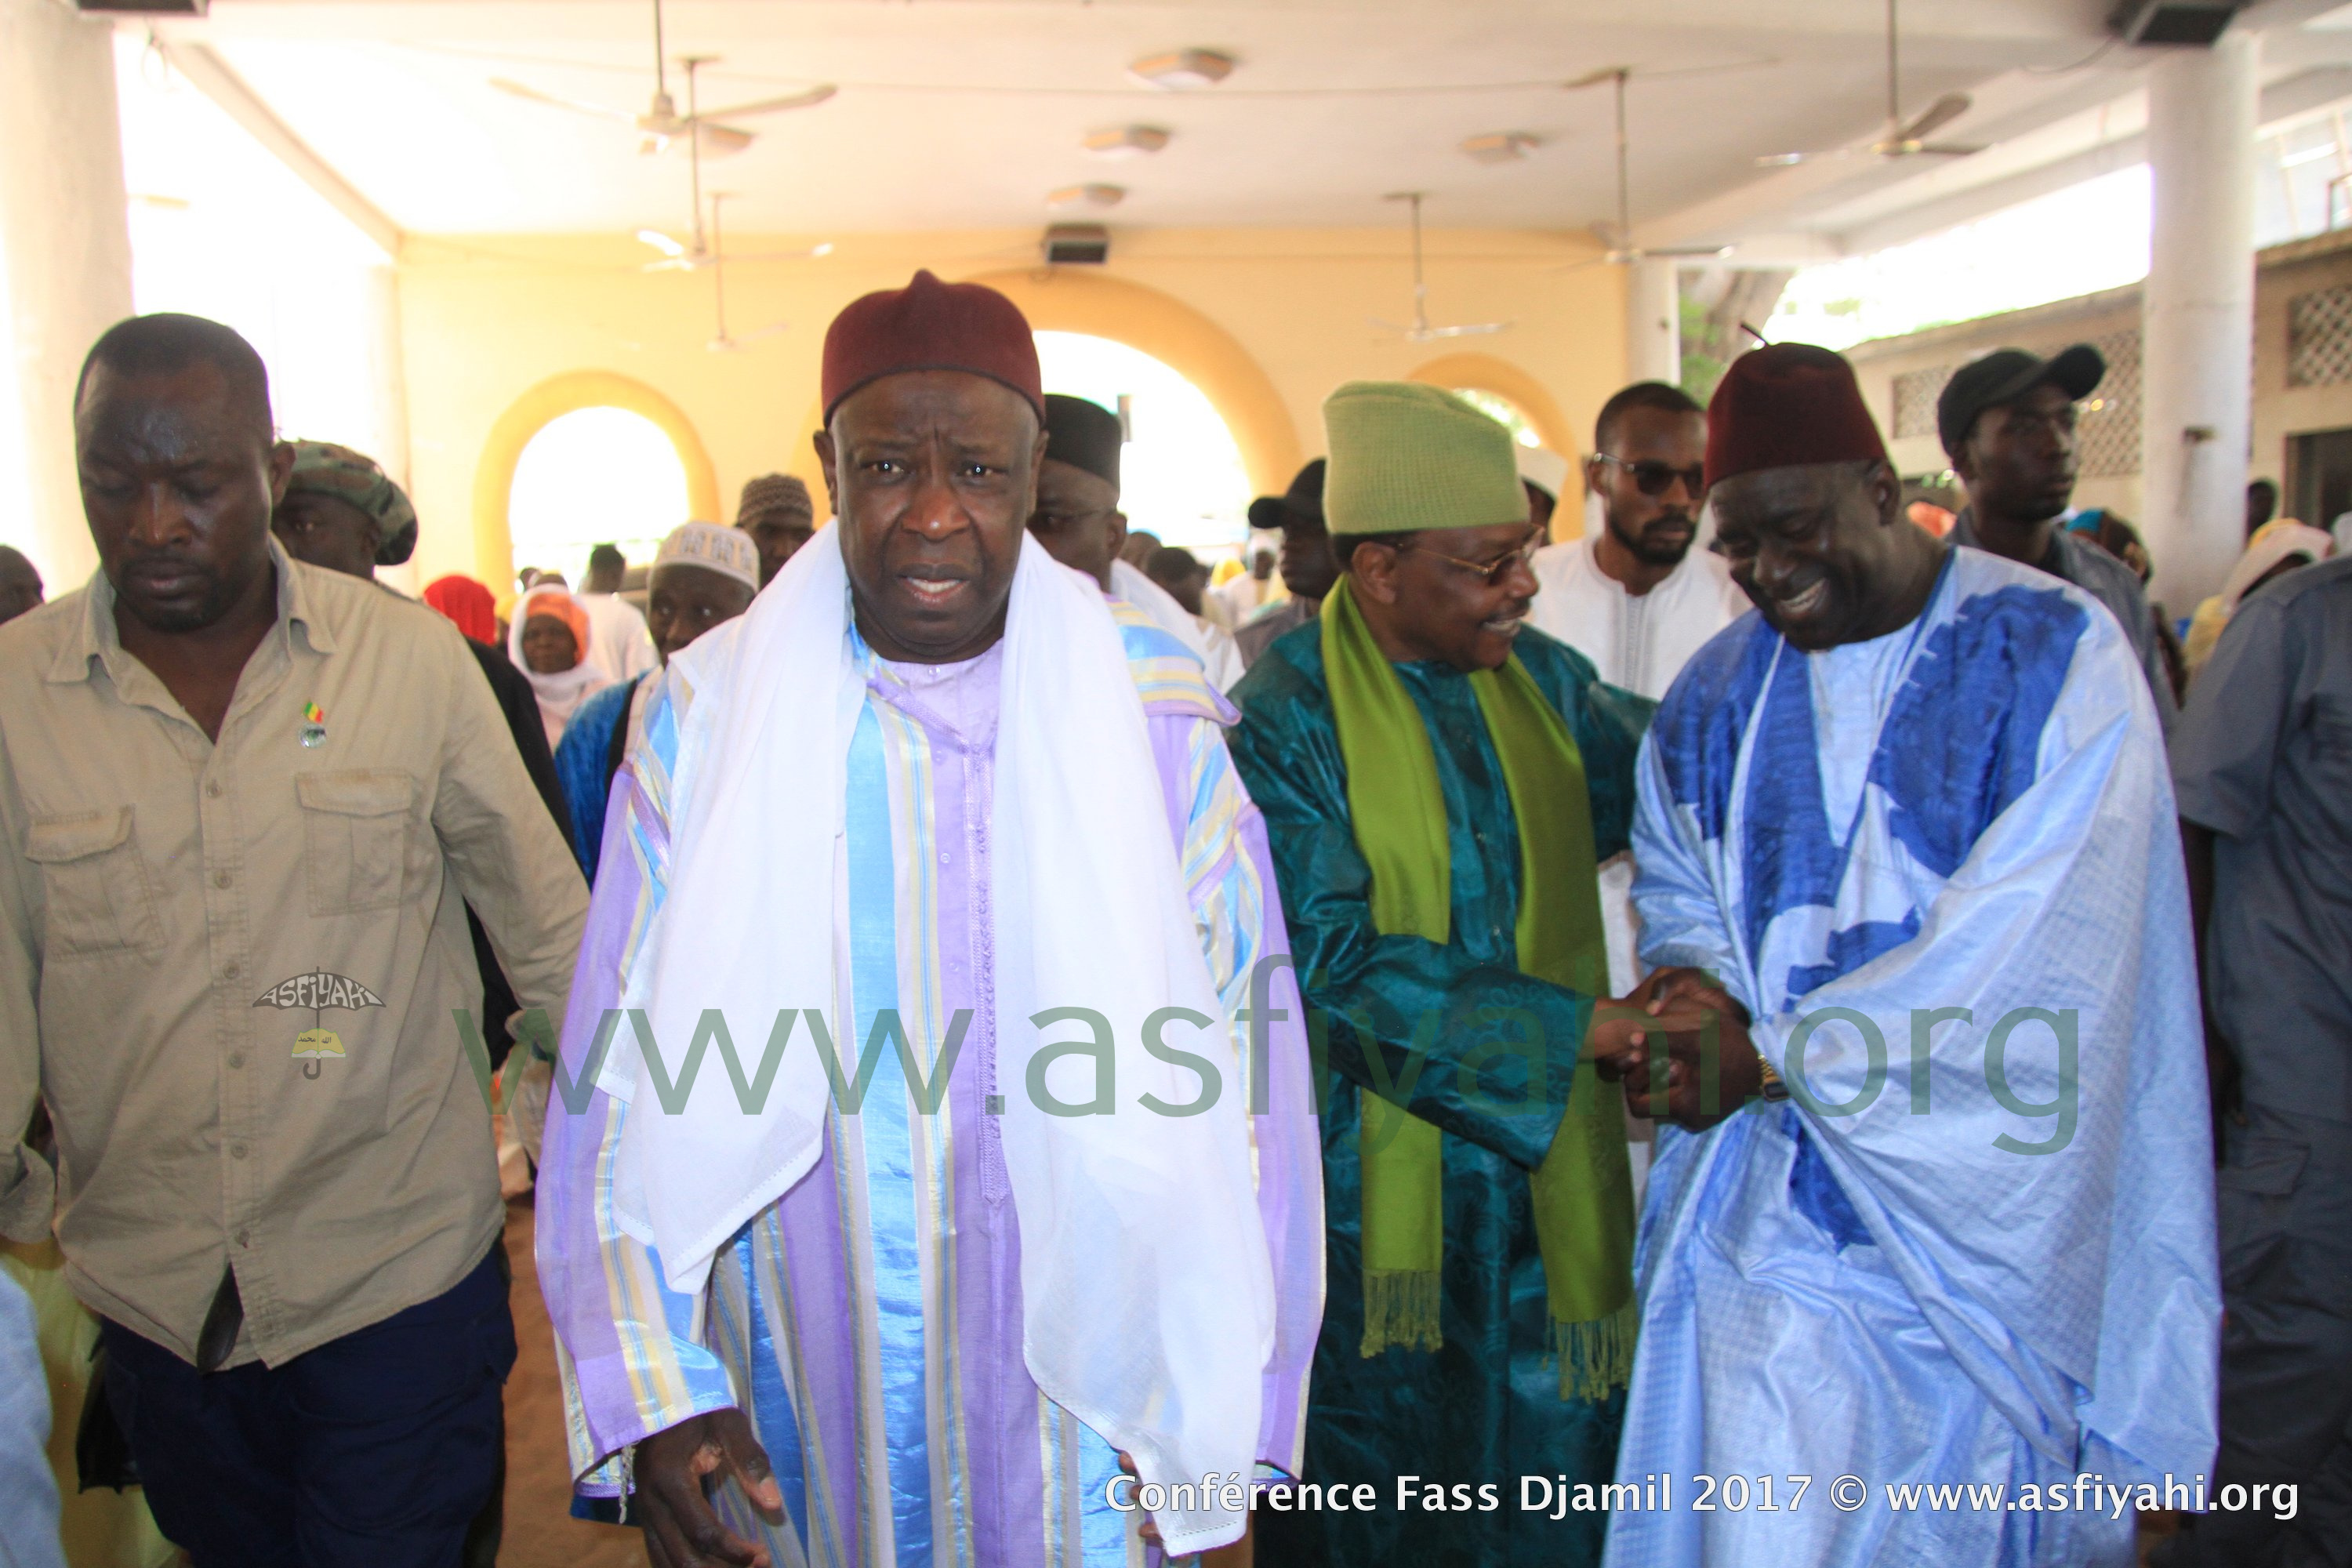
x=143 y=7
x=2193 y=24
x=1084 y=244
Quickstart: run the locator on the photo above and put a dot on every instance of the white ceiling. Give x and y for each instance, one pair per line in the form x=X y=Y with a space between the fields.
x=956 y=113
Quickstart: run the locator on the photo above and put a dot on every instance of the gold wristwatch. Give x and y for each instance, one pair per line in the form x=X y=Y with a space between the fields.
x=1774 y=1089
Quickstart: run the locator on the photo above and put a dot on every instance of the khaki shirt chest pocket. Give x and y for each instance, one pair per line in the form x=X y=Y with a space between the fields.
x=355 y=834
x=99 y=900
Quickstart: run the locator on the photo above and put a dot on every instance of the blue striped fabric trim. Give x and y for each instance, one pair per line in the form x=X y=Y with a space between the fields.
x=739 y=1331
x=1102 y=1529
x=896 y=1229
x=1168 y=675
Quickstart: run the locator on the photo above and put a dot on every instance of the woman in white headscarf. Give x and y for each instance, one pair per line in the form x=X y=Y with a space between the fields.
x=2276 y=547
x=549 y=642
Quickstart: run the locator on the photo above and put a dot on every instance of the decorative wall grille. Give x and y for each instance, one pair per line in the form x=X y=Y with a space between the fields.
x=2319 y=337
x=2107 y=434
x=1915 y=391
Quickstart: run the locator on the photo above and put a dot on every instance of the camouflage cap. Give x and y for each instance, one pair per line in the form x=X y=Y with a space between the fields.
x=358 y=480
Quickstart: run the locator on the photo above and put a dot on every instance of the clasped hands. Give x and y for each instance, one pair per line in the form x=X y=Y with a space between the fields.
x=1682 y=1020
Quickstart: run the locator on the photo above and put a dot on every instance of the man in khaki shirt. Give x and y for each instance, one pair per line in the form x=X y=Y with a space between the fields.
x=246 y=801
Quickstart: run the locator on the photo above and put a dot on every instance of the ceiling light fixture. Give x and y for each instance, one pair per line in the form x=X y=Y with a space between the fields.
x=1125 y=141
x=1087 y=196
x=1500 y=146
x=1183 y=70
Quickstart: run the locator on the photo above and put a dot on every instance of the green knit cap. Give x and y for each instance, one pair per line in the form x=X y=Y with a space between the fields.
x=1407 y=457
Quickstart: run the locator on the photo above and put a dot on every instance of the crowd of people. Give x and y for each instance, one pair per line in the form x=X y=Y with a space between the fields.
x=1445 y=1048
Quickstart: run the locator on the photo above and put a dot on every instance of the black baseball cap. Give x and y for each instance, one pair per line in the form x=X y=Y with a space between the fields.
x=1302 y=501
x=2005 y=376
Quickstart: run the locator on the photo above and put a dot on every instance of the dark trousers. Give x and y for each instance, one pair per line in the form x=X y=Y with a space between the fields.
x=2285 y=1191
x=375 y=1450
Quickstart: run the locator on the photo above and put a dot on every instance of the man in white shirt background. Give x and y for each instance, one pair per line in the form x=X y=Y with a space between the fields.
x=1633 y=596
x=618 y=642
x=1235 y=601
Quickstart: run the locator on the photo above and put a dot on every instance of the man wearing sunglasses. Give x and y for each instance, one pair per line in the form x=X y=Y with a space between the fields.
x=1437 y=781
x=1635 y=599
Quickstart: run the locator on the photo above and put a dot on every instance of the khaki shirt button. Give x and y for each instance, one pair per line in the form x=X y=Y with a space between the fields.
x=237 y=1058
x=244 y=1238
x=230 y=972
x=213 y=789
x=237 y=1151
x=220 y=878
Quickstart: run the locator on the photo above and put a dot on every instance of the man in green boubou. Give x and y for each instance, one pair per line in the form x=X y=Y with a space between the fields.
x=1439 y=781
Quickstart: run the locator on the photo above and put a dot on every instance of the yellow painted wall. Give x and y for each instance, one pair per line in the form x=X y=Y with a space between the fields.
x=1266 y=321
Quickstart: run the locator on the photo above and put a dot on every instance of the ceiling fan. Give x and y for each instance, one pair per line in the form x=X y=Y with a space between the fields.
x=1618 y=236
x=686 y=256
x=662 y=123
x=722 y=343
x=1904 y=139
x=1420 y=332
x=708 y=249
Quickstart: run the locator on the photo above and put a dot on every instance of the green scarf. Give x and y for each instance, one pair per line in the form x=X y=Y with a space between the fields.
x=1583 y=1191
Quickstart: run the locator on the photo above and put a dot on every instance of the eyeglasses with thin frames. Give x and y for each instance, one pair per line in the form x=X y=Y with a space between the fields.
x=1653 y=478
x=1493 y=571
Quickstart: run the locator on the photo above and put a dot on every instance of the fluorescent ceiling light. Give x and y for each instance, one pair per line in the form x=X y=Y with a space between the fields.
x=1184 y=68
x=1500 y=146
x=1087 y=196
x=1125 y=141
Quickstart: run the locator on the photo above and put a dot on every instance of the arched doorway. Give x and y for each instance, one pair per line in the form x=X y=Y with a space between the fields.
x=595 y=475
x=1503 y=411
x=1078 y=300
x=495 y=553
x=1500 y=378
x=1182 y=475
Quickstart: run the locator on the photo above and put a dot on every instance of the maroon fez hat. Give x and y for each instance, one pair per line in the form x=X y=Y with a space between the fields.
x=1786 y=405
x=931 y=325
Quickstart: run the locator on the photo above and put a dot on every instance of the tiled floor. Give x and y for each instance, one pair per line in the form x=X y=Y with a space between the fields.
x=539 y=1530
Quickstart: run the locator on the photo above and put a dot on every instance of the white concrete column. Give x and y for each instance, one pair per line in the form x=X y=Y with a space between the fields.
x=388 y=384
x=65 y=264
x=388 y=373
x=1654 y=324
x=2196 y=355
